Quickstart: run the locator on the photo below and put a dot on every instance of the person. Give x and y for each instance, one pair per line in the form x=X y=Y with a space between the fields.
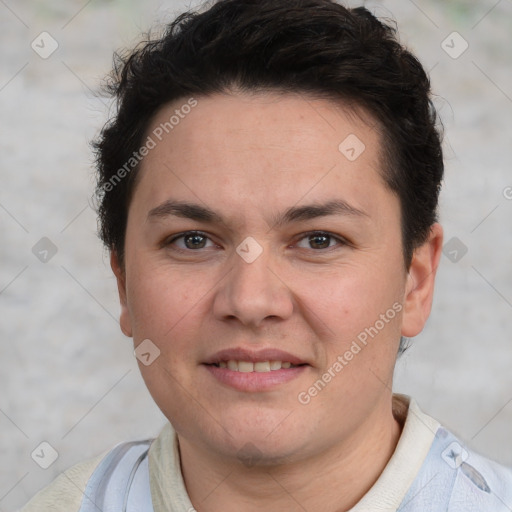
x=268 y=192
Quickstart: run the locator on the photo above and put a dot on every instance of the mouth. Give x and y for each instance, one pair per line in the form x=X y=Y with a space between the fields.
x=258 y=366
x=249 y=371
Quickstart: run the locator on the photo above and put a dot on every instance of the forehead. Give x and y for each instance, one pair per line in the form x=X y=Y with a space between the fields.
x=269 y=121
x=259 y=149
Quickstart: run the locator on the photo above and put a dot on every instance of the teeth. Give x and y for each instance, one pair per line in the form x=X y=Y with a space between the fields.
x=245 y=366
x=275 y=365
x=260 y=366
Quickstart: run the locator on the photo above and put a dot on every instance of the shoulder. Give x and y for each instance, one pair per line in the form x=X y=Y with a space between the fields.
x=105 y=480
x=481 y=484
x=457 y=479
x=65 y=493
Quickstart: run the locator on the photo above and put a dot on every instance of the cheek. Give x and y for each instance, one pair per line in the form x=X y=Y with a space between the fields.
x=165 y=308
x=349 y=299
x=363 y=320
x=160 y=302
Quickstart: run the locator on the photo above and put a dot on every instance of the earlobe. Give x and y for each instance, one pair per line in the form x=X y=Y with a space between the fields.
x=419 y=290
x=124 y=319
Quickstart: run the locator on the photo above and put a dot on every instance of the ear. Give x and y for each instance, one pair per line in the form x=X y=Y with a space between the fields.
x=119 y=272
x=419 y=290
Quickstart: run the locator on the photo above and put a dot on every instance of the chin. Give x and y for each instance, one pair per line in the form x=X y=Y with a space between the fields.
x=251 y=455
x=264 y=443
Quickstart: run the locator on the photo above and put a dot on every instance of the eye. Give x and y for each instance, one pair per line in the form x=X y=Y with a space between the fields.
x=320 y=240
x=195 y=240
x=192 y=240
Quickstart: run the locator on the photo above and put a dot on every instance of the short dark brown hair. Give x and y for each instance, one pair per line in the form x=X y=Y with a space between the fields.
x=316 y=47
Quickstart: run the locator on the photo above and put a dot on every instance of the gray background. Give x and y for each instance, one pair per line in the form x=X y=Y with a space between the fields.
x=68 y=375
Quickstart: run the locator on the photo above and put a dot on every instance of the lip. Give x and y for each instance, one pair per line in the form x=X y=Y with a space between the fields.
x=243 y=354
x=254 y=381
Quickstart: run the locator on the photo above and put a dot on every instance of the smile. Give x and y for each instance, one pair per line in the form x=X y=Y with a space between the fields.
x=249 y=366
x=254 y=377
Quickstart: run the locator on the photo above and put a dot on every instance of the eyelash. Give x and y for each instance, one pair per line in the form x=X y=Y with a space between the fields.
x=341 y=241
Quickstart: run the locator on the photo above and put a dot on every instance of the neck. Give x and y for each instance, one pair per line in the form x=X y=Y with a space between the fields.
x=331 y=481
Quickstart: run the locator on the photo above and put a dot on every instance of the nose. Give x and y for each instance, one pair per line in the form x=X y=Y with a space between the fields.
x=253 y=292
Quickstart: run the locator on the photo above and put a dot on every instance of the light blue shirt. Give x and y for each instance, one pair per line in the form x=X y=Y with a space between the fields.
x=452 y=478
x=455 y=479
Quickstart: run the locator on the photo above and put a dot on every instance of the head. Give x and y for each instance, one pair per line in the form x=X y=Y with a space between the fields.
x=270 y=183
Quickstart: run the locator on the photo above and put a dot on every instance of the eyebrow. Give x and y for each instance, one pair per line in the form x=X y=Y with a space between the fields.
x=294 y=214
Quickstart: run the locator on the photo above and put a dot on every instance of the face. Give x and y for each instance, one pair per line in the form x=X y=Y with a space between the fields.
x=263 y=259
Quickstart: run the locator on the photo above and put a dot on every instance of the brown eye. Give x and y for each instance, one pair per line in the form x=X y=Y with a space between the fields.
x=191 y=240
x=320 y=240
x=194 y=241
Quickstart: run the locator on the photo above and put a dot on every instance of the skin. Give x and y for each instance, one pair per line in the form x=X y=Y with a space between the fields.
x=249 y=158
